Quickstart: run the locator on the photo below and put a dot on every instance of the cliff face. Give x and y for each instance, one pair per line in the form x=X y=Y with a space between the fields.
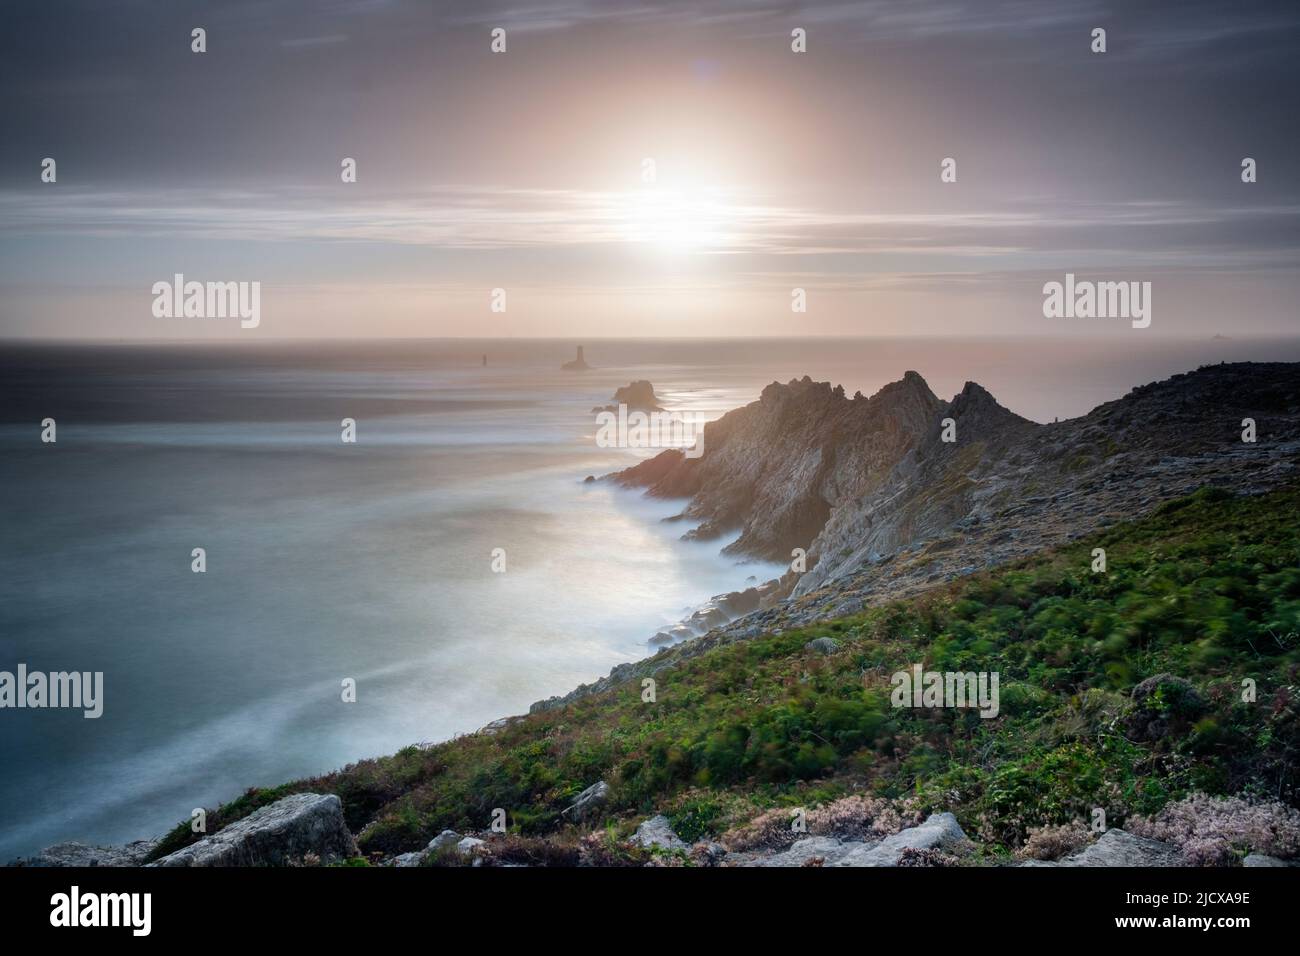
x=882 y=502
x=777 y=469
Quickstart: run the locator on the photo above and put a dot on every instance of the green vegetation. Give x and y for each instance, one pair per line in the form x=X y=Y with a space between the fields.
x=1206 y=590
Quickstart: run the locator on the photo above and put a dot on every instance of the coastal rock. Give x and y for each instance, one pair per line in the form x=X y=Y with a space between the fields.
x=657 y=832
x=637 y=396
x=1119 y=848
x=1261 y=859
x=939 y=831
x=887 y=510
x=276 y=835
x=588 y=802
x=81 y=854
x=468 y=845
x=498 y=725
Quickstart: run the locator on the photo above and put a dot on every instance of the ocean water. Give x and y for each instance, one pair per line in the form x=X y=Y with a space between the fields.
x=370 y=561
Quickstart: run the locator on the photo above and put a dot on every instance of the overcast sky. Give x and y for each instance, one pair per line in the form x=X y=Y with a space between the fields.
x=524 y=170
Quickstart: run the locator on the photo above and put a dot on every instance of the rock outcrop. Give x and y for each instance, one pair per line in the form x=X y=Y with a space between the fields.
x=940 y=831
x=658 y=832
x=81 y=854
x=1119 y=848
x=298 y=827
x=588 y=803
x=885 y=505
x=638 y=396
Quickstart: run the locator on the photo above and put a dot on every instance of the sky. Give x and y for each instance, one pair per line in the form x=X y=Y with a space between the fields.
x=526 y=170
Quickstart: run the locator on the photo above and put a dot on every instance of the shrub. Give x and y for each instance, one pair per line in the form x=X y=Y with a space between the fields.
x=1053 y=842
x=1211 y=830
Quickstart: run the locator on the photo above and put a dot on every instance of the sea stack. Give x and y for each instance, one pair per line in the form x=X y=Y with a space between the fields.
x=577 y=365
x=638 y=396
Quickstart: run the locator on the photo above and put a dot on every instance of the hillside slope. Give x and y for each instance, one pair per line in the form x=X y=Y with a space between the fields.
x=1120 y=690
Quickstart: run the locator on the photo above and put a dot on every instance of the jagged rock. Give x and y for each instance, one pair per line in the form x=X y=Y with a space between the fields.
x=876 y=497
x=939 y=831
x=740 y=603
x=284 y=832
x=81 y=854
x=638 y=396
x=657 y=831
x=1119 y=848
x=823 y=645
x=498 y=725
x=588 y=802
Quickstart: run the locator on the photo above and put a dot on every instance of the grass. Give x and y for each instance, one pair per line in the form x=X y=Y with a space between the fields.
x=1206 y=589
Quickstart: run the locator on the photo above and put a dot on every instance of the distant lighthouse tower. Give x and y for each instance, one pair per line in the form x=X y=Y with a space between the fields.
x=577 y=365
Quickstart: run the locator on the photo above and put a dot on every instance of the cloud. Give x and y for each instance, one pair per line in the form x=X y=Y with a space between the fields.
x=710 y=222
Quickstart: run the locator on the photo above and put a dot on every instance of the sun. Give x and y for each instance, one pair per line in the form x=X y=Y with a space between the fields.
x=675 y=220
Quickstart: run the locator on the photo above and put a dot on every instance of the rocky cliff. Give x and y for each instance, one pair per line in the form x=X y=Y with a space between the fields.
x=902 y=490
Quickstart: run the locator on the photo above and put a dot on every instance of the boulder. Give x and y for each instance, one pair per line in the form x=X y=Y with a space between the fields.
x=276 y=835
x=823 y=645
x=418 y=858
x=588 y=802
x=939 y=831
x=1119 y=848
x=657 y=832
x=468 y=845
x=803 y=853
x=444 y=839
x=1261 y=859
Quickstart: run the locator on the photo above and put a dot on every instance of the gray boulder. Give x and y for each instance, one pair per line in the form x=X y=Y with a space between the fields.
x=827 y=849
x=275 y=835
x=1119 y=848
x=657 y=831
x=823 y=645
x=939 y=831
x=418 y=857
x=1261 y=859
x=468 y=845
x=444 y=839
x=588 y=802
